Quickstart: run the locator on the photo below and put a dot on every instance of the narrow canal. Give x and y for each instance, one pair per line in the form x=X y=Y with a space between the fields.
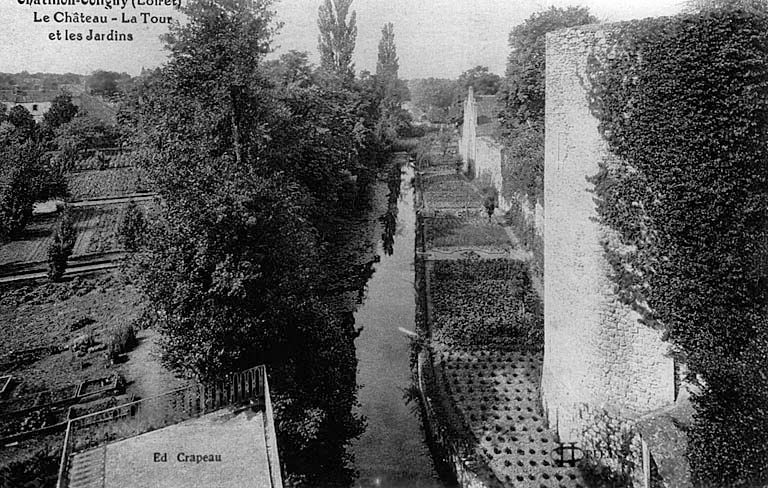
x=392 y=452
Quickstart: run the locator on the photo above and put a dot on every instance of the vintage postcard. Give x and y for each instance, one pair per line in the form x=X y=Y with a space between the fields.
x=396 y=244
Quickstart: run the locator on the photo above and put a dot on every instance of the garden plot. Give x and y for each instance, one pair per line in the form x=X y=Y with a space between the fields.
x=451 y=231
x=96 y=227
x=497 y=392
x=488 y=304
x=449 y=191
x=113 y=182
x=31 y=245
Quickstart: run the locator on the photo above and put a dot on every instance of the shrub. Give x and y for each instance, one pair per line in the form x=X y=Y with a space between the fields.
x=490 y=199
x=102 y=162
x=121 y=340
x=57 y=259
x=61 y=247
x=34 y=471
x=18 y=180
x=132 y=227
x=66 y=230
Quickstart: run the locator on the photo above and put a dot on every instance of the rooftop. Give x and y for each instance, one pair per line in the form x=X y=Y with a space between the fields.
x=226 y=448
x=200 y=436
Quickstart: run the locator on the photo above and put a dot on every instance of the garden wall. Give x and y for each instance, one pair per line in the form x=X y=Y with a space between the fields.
x=596 y=352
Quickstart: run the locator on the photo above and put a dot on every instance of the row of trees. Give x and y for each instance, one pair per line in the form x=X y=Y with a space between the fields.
x=255 y=160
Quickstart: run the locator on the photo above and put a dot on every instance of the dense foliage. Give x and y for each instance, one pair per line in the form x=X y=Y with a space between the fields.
x=62 y=111
x=523 y=93
x=522 y=97
x=487 y=304
x=254 y=162
x=18 y=176
x=683 y=103
x=482 y=81
x=436 y=97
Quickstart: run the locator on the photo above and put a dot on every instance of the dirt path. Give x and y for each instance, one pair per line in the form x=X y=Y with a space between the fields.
x=145 y=374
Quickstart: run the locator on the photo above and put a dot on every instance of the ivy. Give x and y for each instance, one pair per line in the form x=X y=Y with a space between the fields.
x=683 y=105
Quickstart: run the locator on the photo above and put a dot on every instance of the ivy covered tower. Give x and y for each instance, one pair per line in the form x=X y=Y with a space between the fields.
x=596 y=354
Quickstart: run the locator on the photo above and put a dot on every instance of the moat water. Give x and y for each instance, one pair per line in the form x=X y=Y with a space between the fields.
x=392 y=452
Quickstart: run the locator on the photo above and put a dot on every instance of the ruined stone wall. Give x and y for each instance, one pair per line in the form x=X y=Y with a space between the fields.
x=596 y=352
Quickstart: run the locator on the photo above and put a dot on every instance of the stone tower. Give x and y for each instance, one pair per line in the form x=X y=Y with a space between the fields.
x=596 y=352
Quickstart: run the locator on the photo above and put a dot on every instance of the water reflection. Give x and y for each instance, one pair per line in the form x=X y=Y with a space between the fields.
x=392 y=452
x=389 y=219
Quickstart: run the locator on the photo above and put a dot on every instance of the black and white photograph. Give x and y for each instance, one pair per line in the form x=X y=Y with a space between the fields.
x=384 y=244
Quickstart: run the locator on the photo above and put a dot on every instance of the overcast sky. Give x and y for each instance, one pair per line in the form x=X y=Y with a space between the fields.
x=439 y=38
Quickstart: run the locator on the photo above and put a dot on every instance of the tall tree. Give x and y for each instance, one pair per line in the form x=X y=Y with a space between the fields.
x=338 y=34
x=243 y=163
x=394 y=91
x=482 y=81
x=62 y=111
x=22 y=120
x=387 y=64
x=103 y=82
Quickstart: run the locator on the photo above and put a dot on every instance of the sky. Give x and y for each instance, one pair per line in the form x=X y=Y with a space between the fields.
x=438 y=38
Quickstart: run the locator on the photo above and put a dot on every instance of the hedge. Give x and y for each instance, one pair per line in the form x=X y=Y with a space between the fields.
x=683 y=104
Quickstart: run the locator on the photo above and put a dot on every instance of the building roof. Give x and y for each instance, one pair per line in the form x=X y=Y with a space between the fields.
x=28 y=96
x=222 y=449
x=204 y=435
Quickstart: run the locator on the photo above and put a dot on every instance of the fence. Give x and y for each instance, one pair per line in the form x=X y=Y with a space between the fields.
x=142 y=416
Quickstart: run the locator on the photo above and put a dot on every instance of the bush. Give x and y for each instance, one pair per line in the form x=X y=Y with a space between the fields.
x=61 y=247
x=121 y=340
x=102 y=162
x=57 y=259
x=35 y=471
x=18 y=181
x=132 y=227
x=490 y=200
x=66 y=230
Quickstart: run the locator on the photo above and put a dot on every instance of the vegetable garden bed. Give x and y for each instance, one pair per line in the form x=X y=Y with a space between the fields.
x=486 y=304
x=112 y=384
x=85 y=185
x=96 y=227
x=448 y=191
x=455 y=231
x=85 y=391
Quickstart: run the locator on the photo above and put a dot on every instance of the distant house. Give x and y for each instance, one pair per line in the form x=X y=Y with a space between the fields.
x=37 y=102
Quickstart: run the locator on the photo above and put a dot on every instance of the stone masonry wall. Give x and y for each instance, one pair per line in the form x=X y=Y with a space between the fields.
x=596 y=352
x=468 y=131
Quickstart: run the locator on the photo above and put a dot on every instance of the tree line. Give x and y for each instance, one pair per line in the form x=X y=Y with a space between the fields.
x=255 y=160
